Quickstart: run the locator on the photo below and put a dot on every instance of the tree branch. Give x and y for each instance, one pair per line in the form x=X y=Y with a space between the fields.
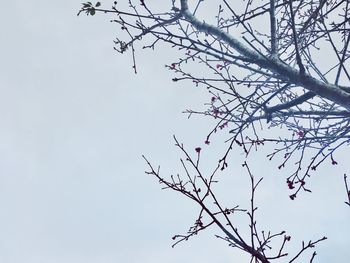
x=326 y=90
x=273 y=28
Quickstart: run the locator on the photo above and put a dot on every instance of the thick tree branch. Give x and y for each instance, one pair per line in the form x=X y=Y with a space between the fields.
x=273 y=28
x=334 y=93
x=295 y=39
x=291 y=103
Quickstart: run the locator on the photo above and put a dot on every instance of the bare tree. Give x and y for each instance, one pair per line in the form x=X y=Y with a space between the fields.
x=266 y=64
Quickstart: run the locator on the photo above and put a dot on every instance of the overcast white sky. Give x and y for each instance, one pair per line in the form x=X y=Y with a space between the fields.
x=74 y=121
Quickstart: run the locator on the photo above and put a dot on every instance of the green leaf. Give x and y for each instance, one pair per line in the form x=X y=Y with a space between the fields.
x=92 y=11
x=98 y=4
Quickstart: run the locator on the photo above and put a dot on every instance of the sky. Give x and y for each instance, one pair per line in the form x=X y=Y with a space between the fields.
x=75 y=121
